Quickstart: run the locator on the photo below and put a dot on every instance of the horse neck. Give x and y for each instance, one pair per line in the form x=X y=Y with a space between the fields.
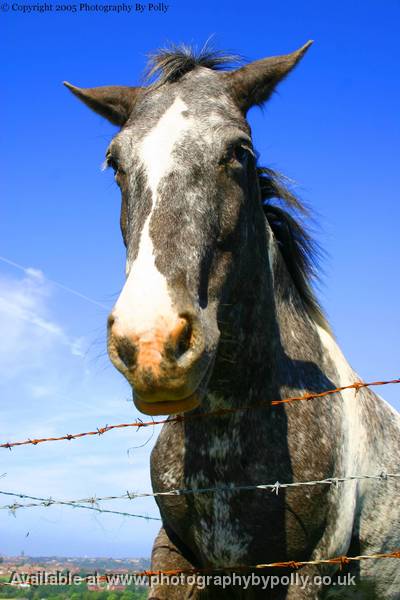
x=269 y=344
x=271 y=349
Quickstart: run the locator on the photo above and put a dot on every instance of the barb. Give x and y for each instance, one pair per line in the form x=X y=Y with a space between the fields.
x=71 y=503
x=128 y=495
x=358 y=385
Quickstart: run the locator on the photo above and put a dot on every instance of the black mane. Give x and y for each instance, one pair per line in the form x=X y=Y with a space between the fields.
x=170 y=64
x=299 y=250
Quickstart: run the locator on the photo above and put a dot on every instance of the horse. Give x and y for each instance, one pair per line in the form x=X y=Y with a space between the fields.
x=219 y=314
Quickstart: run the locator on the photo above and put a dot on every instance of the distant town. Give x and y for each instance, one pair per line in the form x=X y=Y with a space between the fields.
x=74 y=578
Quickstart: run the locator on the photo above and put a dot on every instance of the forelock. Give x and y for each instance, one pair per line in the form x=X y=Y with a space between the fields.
x=168 y=65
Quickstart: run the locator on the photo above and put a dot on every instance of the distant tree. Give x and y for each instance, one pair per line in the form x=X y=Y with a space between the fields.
x=128 y=595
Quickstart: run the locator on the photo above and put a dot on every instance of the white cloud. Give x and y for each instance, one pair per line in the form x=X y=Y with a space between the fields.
x=28 y=330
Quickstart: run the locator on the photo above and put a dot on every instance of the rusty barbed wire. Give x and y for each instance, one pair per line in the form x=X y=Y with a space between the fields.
x=292 y=564
x=272 y=487
x=341 y=561
x=215 y=413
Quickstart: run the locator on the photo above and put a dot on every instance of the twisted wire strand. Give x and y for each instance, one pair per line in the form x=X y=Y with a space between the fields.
x=291 y=564
x=93 y=501
x=71 y=503
x=358 y=385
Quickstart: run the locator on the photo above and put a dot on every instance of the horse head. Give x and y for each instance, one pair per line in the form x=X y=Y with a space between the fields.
x=191 y=217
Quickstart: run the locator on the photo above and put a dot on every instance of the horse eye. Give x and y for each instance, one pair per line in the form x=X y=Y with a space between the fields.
x=240 y=153
x=111 y=162
x=237 y=154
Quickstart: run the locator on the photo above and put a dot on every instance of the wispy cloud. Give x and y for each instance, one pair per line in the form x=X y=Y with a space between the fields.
x=28 y=328
x=37 y=273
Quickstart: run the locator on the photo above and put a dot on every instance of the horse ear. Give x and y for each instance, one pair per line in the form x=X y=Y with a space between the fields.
x=255 y=82
x=113 y=102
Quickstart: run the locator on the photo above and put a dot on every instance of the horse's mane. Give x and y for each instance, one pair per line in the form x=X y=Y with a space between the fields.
x=299 y=250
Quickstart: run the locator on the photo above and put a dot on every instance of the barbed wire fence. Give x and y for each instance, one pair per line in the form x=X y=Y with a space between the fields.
x=92 y=503
x=233 y=488
x=340 y=561
x=138 y=424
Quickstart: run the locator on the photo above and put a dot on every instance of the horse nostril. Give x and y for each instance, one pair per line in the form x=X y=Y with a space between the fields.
x=181 y=337
x=127 y=352
x=110 y=321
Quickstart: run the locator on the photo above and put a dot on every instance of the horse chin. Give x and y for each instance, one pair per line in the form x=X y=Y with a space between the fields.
x=168 y=407
x=163 y=405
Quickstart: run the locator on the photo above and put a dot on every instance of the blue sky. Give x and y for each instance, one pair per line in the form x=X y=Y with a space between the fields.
x=333 y=127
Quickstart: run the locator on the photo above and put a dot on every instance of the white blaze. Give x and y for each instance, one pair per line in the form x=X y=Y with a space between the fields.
x=145 y=302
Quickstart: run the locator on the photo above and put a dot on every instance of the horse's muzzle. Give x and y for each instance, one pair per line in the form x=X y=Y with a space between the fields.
x=166 y=366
